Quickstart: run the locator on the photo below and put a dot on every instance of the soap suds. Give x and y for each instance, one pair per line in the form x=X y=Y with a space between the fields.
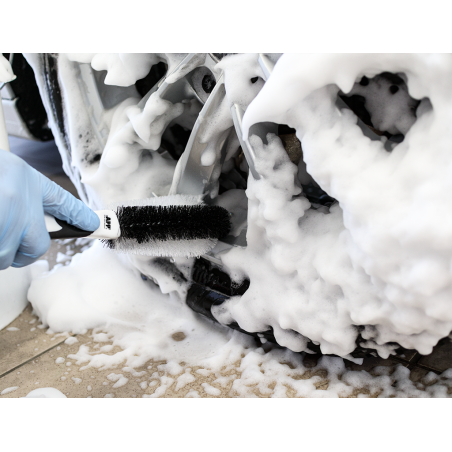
x=385 y=249
x=45 y=393
x=379 y=258
x=8 y=390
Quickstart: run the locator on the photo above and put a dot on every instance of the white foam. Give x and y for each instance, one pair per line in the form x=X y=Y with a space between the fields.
x=8 y=390
x=45 y=393
x=380 y=258
x=391 y=202
x=123 y=69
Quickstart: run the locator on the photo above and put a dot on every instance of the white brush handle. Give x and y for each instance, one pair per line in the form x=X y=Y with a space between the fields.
x=108 y=229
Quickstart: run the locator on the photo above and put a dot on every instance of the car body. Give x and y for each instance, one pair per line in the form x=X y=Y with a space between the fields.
x=24 y=112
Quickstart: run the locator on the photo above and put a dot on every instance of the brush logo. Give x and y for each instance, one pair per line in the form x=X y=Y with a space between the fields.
x=107 y=222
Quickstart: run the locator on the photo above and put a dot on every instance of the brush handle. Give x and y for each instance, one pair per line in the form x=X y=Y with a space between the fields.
x=59 y=229
x=108 y=229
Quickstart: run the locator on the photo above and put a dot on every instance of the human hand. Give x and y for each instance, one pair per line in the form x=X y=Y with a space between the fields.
x=25 y=194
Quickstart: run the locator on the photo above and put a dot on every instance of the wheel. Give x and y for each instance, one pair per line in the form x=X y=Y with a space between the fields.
x=297 y=152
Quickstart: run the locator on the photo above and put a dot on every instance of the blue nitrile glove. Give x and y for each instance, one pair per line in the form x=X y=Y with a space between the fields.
x=25 y=194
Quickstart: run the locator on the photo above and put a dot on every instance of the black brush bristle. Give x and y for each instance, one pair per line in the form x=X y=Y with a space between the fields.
x=165 y=223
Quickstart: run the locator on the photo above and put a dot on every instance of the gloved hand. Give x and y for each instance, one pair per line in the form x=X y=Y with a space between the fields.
x=25 y=194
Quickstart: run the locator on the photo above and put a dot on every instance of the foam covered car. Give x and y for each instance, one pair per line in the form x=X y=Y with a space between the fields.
x=336 y=170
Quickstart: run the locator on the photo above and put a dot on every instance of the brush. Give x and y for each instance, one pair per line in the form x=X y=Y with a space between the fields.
x=175 y=225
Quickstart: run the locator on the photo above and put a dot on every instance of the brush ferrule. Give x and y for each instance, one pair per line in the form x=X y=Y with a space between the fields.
x=109 y=225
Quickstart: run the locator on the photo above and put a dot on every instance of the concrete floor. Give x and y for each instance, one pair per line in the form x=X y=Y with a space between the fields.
x=32 y=358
